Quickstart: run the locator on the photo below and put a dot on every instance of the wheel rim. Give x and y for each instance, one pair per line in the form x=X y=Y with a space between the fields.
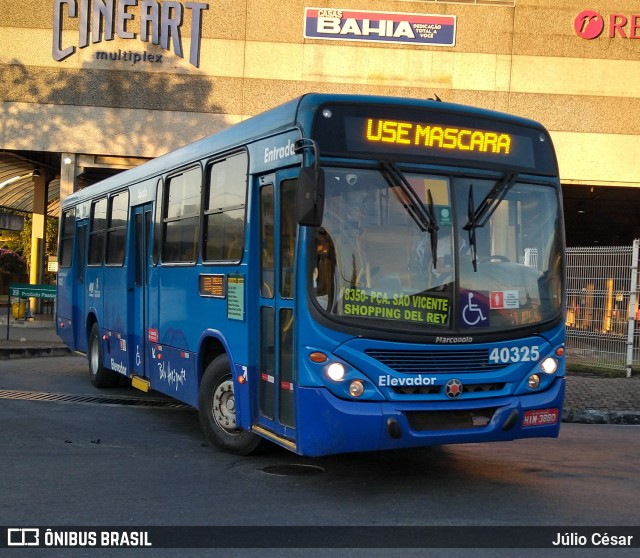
x=223 y=406
x=95 y=357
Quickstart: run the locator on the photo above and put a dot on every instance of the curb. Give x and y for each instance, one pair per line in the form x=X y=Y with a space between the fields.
x=600 y=416
x=31 y=352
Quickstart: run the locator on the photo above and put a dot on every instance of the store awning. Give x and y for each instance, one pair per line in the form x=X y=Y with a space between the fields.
x=16 y=185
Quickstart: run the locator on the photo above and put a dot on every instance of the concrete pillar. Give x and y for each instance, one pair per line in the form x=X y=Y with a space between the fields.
x=67 y=175
x=38 y=233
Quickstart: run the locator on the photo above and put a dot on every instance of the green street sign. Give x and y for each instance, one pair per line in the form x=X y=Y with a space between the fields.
x=23 y=290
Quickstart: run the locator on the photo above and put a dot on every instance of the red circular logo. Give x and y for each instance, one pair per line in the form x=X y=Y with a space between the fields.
x=589 y=24
x=453 y=388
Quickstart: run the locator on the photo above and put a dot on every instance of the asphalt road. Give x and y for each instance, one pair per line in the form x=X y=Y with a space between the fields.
x=87 y=463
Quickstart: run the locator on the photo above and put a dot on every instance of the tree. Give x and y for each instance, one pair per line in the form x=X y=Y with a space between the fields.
x=11 y=262
x=51 y=245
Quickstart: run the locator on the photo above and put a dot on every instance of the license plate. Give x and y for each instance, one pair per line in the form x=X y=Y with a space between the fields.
x=541 y=417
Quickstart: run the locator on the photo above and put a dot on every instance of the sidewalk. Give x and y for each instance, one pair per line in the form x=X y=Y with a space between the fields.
x=590 y=398
x=30 y=338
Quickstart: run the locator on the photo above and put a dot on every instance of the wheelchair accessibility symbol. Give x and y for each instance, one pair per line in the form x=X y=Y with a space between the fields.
x=474 y=309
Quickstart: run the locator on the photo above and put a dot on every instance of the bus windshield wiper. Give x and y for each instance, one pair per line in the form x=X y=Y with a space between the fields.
x=479 y=217
x=424 y=218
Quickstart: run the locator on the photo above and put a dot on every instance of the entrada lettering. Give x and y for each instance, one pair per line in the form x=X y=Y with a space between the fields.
x=160 y=22
x=276 y=153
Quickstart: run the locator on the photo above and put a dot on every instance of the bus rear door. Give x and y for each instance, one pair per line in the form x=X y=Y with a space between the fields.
x=139 y=317
x=276 y=406
x=78 y=302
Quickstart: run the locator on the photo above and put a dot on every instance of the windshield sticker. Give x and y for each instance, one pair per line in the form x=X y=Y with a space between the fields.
x=504 y=300
x=235 y=299
x=444 y=215
x=417 y=308
x=474 y=309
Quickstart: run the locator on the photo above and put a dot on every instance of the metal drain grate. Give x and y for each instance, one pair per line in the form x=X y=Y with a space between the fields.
x=92 y=399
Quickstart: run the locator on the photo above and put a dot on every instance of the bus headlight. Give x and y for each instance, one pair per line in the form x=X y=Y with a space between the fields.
x=356 y=388
x=534 y=381
x=549 y=365
x=336 y=371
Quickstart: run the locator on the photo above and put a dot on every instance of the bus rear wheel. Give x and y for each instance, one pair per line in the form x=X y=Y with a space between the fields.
x=101 y=377
x=218 y=412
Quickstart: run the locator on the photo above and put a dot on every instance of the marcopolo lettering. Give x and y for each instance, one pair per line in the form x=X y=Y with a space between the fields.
x=453 y=340
x=98 y=20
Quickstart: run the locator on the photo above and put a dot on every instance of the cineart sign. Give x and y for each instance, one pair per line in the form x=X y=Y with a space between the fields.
x=104 y=20
x=388 y=27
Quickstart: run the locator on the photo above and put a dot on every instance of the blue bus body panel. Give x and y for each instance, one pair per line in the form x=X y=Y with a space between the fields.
x=331 y=421
x=65 y=308
x=331 y=425
x=180 y=321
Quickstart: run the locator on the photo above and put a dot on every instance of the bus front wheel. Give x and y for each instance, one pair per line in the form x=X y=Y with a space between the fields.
x=218 y=412
x=101 y=377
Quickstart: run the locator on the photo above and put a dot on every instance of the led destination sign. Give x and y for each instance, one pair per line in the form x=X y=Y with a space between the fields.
x=446 y=136
x=440 y=137
x=460 y=139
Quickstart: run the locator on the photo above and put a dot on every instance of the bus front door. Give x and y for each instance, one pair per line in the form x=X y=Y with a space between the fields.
x=277 y=332
x=78 y=304
x=141 y=226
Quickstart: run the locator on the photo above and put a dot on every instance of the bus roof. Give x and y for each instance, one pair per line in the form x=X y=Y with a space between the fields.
x=296 y=113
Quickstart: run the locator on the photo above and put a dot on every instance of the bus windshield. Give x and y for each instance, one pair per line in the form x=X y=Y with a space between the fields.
x=377 y=262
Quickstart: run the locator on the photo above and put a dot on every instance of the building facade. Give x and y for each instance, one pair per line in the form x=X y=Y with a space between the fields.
x=106 y=83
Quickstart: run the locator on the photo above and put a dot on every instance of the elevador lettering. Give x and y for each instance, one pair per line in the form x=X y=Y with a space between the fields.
x=118 y=367
x=103 y=20
x=419 y=380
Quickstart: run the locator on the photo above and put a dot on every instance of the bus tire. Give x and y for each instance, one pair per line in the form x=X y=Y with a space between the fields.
x=217 y=411
x=101 y=377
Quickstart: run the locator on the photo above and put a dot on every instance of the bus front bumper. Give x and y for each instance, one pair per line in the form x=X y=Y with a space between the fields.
x=328 y=425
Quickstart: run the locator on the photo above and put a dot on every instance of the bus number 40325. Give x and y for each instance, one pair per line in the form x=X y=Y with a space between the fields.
x=506 y=355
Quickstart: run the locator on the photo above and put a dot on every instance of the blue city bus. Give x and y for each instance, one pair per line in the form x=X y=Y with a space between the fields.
x=338 y=274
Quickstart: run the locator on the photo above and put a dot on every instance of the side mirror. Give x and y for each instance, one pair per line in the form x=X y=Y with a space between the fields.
x=310 y=196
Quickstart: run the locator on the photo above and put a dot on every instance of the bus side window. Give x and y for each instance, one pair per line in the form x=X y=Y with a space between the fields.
x=224 y=212
x=117 y=231
x=288 y=231
x=182 y=217
x=157 y=224
x=97 y=231
x=267 y=247
x=66 y=237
